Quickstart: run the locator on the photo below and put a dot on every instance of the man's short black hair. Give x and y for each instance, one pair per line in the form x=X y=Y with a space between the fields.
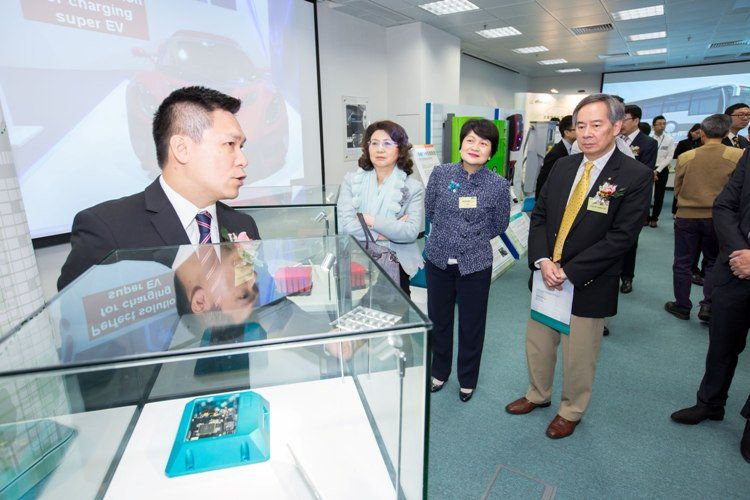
x=187 y=111
x=634 y=111
x=657 y=117
x=734 y=107
x=645 y=128
x=485 y=129
x=566 y=123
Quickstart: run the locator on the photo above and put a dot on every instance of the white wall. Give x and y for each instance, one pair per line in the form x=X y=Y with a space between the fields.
x=567 y=84
x=352 y=63
x=441 y=65
x=484 y=84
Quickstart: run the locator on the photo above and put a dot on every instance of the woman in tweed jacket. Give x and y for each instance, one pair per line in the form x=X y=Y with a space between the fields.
x=468 y=205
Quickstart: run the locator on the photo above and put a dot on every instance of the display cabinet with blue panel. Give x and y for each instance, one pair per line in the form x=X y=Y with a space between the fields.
x=290 y=369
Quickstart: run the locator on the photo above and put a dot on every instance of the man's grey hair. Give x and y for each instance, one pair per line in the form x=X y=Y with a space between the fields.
x=616 y=110
x=716 y=126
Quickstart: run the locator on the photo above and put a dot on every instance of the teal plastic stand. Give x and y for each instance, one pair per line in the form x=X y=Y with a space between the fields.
x=223 y=431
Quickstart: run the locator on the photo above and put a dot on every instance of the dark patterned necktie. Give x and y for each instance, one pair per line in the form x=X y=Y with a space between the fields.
x=736 y=141
x=204 y=227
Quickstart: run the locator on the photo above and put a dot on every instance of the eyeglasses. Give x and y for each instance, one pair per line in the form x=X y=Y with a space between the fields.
x=383 y=144
x=741 y=115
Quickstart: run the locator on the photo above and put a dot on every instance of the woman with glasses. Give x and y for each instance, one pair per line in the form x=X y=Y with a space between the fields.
x=390 y=201
x=467 y=205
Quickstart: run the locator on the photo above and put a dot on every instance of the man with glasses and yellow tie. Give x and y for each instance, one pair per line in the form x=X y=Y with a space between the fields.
x=740 y=114
x=588 y=214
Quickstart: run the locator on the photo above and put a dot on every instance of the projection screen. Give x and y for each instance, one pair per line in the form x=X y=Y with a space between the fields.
x=81 y=79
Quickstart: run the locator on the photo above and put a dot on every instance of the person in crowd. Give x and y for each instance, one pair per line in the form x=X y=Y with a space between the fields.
x=468 y=206
x=391 y=202
x=199 y=150
x=645 y=128
x=740 y=115
x=692 y=141
x=571 y=238
x=644 y=149
x=730 y=318
x=665 y=152
x=559 y=150
x=700 y=176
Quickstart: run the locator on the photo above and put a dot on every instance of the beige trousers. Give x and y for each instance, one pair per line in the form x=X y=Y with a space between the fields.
x=580 y=352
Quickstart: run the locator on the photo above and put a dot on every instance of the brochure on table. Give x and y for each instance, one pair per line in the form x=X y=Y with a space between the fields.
x=502 y=259
x=425 y=158
x=516 y=237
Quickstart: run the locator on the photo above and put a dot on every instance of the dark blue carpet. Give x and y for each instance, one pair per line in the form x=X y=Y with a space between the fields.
x=626 y=446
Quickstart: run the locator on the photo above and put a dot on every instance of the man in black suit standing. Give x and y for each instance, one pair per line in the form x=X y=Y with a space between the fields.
x=730 y=318
x=645 y=150
x=587 y=216
x=199 y=150
x=740 y=114
x=559 y=150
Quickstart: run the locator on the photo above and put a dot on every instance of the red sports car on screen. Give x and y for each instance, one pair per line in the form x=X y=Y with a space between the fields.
x=195 y=58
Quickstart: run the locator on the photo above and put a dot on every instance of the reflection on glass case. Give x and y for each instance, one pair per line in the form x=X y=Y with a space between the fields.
x=299 y=211
x=164 y=370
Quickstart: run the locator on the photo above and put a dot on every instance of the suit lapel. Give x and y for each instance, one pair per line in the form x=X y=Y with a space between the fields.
x=164 y=217
x=608 y=173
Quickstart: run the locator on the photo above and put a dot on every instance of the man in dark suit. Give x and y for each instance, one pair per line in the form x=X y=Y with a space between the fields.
x=559 y=150
x=740 y=115
x=199 y=150
x=645 y=150
x=730 y=318
x=587 y=216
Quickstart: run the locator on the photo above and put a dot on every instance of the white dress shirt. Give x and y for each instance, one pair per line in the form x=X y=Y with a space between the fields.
x=595 y=171
x=665 y=152
x=186 y=211
x=629 y=138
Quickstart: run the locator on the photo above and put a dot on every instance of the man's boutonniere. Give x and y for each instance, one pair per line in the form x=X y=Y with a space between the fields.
x=233 y=237
x=453 y=186
x=607 y=191
x=635 y=150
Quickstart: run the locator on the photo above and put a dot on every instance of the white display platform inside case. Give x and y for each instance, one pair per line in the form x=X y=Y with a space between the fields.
x=322 y=446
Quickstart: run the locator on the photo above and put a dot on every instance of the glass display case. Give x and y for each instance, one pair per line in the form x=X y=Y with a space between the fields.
x=290 y=211
x=275 y=369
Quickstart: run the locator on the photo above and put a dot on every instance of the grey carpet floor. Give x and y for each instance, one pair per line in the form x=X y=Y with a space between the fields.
x=626 y=446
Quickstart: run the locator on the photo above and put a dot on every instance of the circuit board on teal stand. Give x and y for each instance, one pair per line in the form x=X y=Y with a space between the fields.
x=222 y=431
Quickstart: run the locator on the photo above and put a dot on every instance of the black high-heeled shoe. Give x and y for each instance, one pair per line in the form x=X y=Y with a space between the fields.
x=465 y=396
x=436 y=387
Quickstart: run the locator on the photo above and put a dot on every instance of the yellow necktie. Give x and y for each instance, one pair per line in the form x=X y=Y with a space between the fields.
x=571 y=210
x=736 y=141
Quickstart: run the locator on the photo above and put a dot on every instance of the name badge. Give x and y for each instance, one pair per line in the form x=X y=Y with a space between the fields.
x=467 y=202
x=596 y=205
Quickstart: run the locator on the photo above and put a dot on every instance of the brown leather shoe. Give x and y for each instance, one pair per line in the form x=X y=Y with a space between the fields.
x=560 y=428
x=523 y=406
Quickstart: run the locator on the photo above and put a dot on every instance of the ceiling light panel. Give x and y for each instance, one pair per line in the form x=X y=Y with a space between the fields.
x=547 y=62
x=569 y=70
x=531 y=50
x=499 y=32
x=627 y=15
x=647 y=36
x=448 y=7
x=650 y=52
